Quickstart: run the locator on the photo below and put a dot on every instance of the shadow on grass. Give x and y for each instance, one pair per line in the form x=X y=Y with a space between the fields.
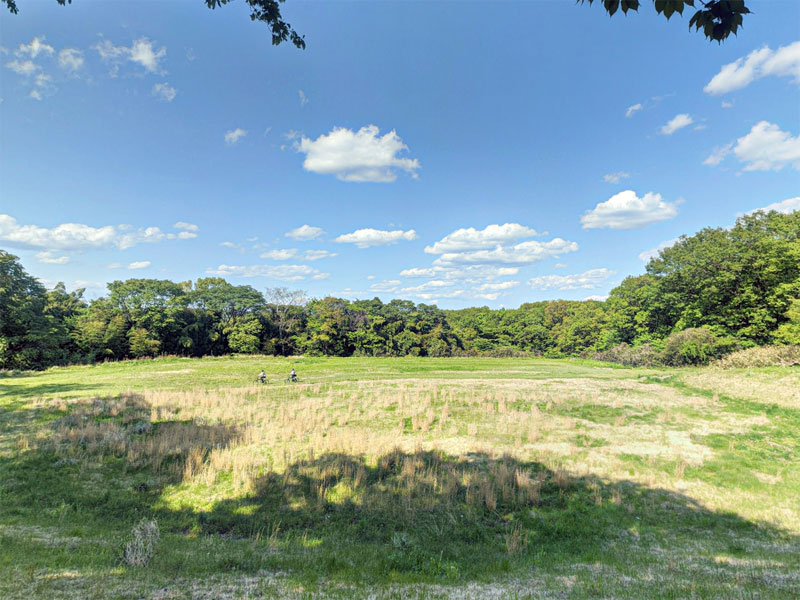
x=405 y=517
x=26 y=392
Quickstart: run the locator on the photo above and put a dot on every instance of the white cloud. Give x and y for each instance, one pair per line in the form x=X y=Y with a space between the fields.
x=785 y=206
x=597 y=297
x=626 y=210
x=727 y=104
x=305 y=233
x=50 y=258
x=318 y=254
x=768 y=148
x=164 y=91
x=677 y=122
x=234 y=135
x=474 y=239
x=646 y=255
x=280 y=254
x=615 y=177
x=364 y=238
x=632 y=110
x=579 y=281
x=142 y=53
x=70 y=59
x=469 y=273
x=303 y=98
x=114 y=265
x=186 y=226
x=139 y=264
x=362 y=155
x=35 y=94
x=280 y=272
x=560 y=266
x=783 y=62
x=522 y=253
x=78 y=237
x=36 y=47
x=718 y=154
x=385 y=286
x=26 y=67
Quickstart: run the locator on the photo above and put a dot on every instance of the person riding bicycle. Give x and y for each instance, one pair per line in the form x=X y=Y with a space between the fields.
x=292 y=375
x=262 y=377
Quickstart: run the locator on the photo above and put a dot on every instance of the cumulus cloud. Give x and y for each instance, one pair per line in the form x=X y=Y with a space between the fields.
x=785 y=206
x=318 y=254
x=646 y=255
x=70 y=59
x=768 y=148
x=783 y=62
x=676 y=123
x=626 y=210
x=474 y=239
x=468 y=274
x=280 y=272
x=232 y=136
x=139 y=264
x=34 y=48
x=579 y=281
x=186 y=226
x=364 y=238
x=632 y=110
x=22 y=67
x=164 y=91
x=79 y=237
x=361 y=155
x=303 y=98
x=50 y=258
x=522 y=253
x=390 y=285
x=280 y=254
x=141 y=52
x=305 y=233
x=615 y=177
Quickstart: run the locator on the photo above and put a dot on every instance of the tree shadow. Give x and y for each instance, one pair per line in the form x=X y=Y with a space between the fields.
x=25 y=392
x=426 y=515
x=405 y=516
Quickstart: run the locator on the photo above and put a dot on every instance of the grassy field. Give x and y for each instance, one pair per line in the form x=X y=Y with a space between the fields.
x=399 y=478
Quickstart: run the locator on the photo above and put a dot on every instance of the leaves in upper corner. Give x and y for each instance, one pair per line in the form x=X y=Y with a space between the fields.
x=718 y=18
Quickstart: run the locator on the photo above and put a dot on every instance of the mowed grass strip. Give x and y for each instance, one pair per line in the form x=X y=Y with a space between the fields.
x=398 y=478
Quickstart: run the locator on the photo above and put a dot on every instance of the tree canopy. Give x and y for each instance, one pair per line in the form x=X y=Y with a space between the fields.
x=717 y=18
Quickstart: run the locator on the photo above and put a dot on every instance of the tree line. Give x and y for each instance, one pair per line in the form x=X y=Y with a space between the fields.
x=710 y=293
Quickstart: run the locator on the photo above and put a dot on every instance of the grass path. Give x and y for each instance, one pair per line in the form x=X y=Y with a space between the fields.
x=400 y=478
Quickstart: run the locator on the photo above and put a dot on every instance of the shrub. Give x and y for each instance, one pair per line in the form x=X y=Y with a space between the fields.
x=630 y=356
x=141 y=547
x=761 y=356
x=695 y=346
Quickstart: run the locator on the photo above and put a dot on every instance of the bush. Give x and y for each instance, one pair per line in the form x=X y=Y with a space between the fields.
x=630 y=356
x=141 y=547
x=761 y=356
x=695 y=346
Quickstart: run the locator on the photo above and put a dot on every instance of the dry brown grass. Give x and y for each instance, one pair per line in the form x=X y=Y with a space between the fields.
x=197 y=435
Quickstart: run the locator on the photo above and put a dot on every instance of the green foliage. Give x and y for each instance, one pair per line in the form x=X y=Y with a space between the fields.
x=717 y=18
x=694 y=346
x=263 y=11
x=29 y=336
x=789 y=332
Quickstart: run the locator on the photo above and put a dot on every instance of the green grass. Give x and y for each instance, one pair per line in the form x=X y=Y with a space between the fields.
x=399 y=478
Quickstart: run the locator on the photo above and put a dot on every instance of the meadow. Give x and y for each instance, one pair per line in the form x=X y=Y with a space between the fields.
x=399 y=478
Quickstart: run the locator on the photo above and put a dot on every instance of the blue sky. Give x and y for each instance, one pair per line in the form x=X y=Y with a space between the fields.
x=454 y=153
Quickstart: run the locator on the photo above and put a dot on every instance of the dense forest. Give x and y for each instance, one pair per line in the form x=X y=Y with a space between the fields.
x=716 y=291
